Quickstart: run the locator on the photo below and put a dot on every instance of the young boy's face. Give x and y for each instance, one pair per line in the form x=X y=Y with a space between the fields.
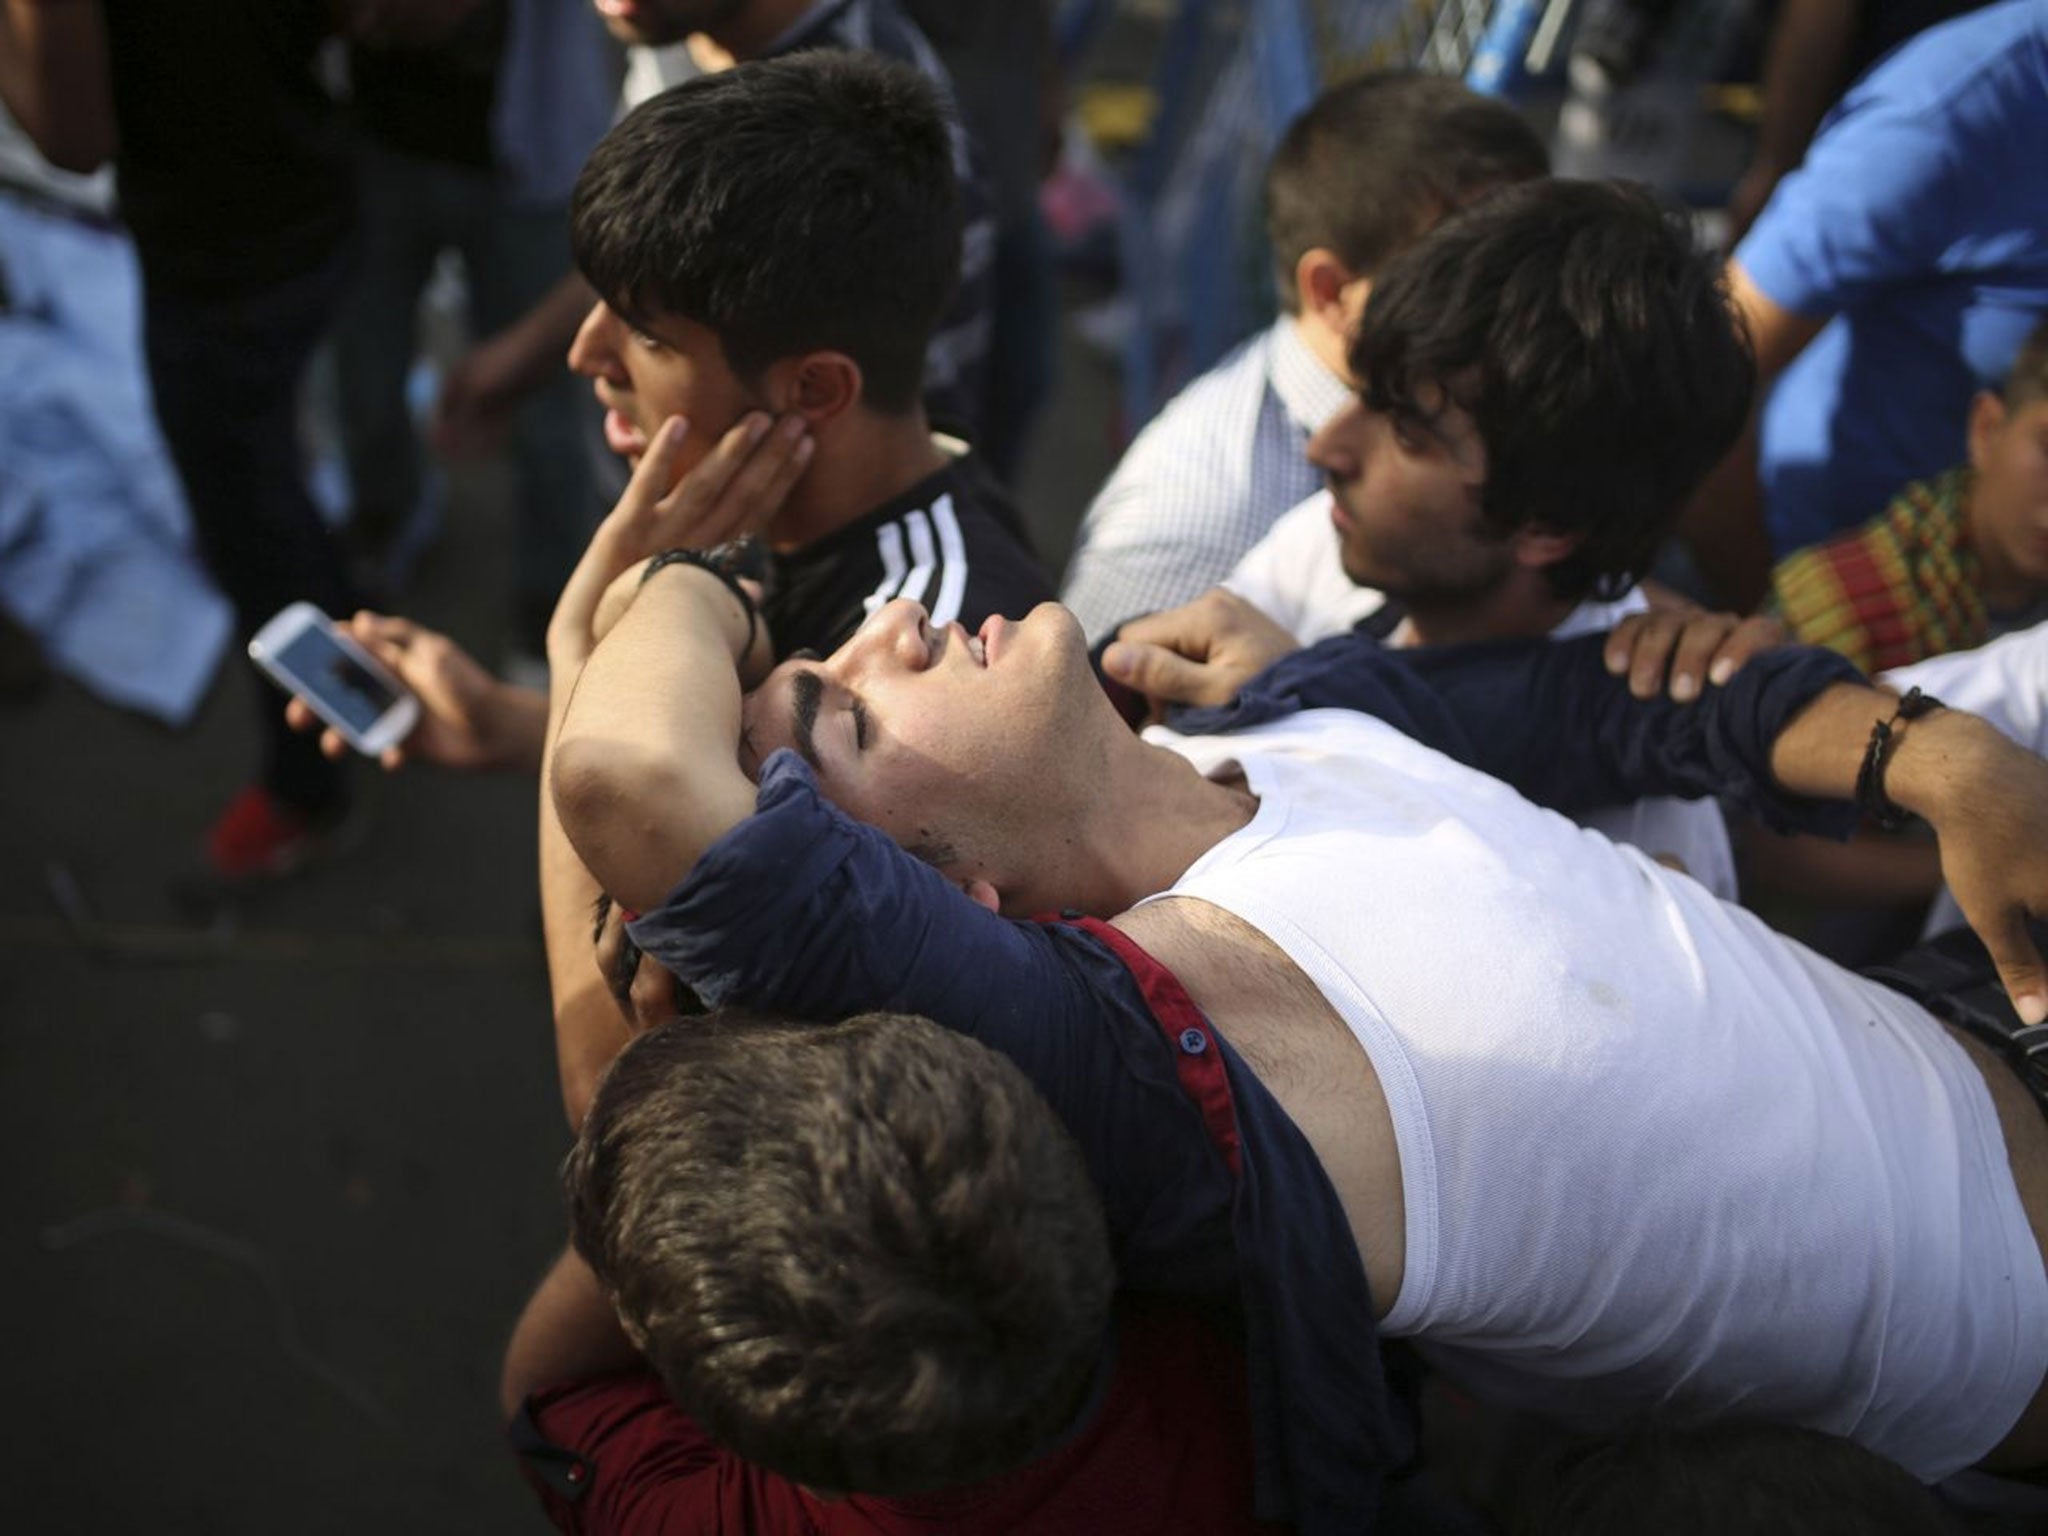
x=2009 y=503
x=644 y=377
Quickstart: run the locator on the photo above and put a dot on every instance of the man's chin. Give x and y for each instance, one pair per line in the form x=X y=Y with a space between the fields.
x=1359 y=573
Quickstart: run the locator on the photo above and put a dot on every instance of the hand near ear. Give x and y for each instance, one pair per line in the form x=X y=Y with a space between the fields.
x=735 y=490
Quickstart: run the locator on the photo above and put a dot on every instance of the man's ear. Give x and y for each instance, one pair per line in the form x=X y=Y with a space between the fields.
x=1328 y=289
x=982 y=894
x=818 y=386
x=1987 y=420
x=1538 y=547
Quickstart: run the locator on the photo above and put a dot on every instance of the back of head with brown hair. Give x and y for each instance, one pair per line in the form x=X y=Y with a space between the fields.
x=864 y=1255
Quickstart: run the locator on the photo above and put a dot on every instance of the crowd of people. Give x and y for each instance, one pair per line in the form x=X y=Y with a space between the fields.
x=1263 y=1034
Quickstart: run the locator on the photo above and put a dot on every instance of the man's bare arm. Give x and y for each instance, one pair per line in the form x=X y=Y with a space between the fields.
x=567 y=1333
x=56 y=81
x=737 y=486
x=1985 y=797
x=589 y=1031
x=646 y=766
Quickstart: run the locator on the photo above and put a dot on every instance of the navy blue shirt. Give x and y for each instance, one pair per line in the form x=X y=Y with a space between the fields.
x=1209 y=1187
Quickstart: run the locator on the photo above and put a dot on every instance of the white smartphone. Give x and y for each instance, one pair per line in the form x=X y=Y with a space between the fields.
x=305 y=653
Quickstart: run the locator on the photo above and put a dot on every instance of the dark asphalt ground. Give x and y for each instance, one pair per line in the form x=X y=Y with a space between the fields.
x=278 y=1184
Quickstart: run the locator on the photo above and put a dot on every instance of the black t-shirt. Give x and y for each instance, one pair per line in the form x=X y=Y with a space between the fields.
x=434 y=103
x=234 y=167
x=945 y=542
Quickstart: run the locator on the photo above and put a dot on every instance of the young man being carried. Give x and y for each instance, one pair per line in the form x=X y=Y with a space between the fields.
x=1348 y=986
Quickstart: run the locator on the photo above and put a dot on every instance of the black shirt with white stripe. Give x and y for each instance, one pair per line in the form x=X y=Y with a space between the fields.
x=946 y=542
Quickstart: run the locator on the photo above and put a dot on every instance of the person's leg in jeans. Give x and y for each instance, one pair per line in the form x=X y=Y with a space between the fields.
x=521 y=255
x=226 y=376
x=408 y=215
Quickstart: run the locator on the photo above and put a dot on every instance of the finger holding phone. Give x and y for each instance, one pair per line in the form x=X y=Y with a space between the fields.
x=465 y=717
x=735 y=490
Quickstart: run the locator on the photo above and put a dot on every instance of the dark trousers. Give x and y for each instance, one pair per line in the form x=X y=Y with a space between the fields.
x=227 y=375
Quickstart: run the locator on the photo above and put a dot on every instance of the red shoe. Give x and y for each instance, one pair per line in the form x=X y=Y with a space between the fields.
x=259 y=837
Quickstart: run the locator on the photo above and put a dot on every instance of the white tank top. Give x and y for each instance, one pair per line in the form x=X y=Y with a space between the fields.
x=1655 y=1157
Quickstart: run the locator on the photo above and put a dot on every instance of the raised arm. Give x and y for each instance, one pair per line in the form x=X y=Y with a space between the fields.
x=646 y=765
x=746 y=472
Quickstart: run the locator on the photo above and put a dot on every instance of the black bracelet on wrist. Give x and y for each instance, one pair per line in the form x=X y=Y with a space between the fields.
x=707 y=562
x=1870 y=795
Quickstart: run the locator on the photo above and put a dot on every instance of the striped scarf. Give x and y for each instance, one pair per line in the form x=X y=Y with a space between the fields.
x=1905 y=586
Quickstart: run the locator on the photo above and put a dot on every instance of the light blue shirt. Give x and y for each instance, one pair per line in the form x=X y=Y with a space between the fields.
x=1919 y=221
x=1204 y=481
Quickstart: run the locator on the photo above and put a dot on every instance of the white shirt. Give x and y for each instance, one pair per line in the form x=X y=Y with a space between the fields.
x=1654 y=1156
x=1203 y=482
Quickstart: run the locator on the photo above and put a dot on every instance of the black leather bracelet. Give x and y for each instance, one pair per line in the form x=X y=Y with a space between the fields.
x=706 y=562
x=1870 y=795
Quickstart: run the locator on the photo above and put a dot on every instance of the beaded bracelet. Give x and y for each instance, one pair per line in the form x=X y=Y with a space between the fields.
x=1870 y=795
x=704 y=562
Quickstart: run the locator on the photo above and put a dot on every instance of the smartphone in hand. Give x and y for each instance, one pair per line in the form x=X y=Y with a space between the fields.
x=306 y=653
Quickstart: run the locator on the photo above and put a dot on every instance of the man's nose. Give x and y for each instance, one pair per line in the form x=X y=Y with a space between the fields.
x=1330 y=446
x=595 y=351
x=898 y=635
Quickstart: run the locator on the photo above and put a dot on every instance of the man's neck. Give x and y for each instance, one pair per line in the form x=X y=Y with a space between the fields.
x=1149 y=816
x=1330 y=347
x=755 y=29
x=862 y=462
x=1518 y=609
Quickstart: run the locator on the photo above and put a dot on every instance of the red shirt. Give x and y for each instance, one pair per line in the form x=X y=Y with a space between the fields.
x=1168 y=1452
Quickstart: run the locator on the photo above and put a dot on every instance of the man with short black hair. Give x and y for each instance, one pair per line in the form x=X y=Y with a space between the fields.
x=794 y=277
x=674 y=41
x=759 y=349
x=1367 y=169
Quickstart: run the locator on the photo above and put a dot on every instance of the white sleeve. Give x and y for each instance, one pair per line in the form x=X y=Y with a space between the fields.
x=1295 y=575
x=2006 y=682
